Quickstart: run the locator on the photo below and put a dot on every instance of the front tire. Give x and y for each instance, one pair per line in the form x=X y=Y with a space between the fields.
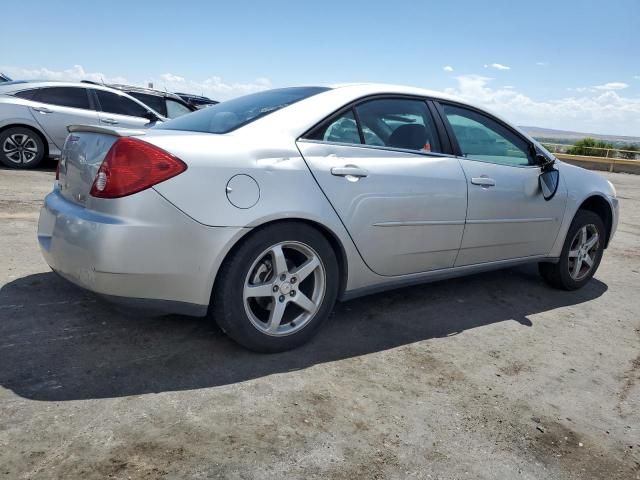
x=21 y=147
x=581 y=253
x=277 y=288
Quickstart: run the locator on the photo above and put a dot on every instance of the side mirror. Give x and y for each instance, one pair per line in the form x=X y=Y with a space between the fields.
x=549 y=180
x=152 y=117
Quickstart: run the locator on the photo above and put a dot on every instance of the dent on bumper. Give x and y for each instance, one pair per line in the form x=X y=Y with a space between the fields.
x=149 y=255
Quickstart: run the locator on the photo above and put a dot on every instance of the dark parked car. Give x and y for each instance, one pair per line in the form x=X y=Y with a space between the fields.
x=198 y=101
x=167 y=104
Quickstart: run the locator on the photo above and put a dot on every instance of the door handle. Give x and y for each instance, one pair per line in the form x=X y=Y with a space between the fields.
x=483 y=181
x=110 y=121
x=349 y=171
x=43 y=109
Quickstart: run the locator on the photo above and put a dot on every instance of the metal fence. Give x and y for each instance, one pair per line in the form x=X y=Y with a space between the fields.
x=613 y=153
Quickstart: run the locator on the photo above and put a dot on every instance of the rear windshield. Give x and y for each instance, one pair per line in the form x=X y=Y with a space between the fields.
x=232 y=114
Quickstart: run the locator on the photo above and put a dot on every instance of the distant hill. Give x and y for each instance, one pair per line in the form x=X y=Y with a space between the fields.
x=564 y=136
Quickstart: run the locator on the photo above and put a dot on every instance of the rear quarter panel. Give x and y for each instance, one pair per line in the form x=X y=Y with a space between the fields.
x=287 y=190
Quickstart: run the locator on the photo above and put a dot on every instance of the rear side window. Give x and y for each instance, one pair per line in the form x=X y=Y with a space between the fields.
x=27 y=94
x=153 y=101
x=390 y=122
x=232 y=114
x=484 y=139
x=341 y=129
x=74 y=97
x=119 y=105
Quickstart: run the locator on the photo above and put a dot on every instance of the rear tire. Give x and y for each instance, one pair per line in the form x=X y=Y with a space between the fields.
x=277 y=288
x=581 y=253
x=21 y=147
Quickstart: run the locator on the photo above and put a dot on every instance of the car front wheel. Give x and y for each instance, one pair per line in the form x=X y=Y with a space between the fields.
x=581 y=253
x=274 y=292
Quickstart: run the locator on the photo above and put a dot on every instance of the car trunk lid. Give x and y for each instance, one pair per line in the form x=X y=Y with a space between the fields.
x=84 y=150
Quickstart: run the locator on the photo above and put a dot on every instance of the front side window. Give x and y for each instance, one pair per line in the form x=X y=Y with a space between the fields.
x=119 y=105
x=176 y=109
x=232 y=114
x=482 y=138
x=74 y=97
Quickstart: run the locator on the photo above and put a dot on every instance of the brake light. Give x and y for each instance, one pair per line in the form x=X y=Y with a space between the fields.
x=132 y=165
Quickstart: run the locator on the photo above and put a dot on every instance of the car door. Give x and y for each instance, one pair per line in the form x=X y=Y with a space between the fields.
x=507 y=216
x=56 y=108
x=121 y=111
x=402 y=201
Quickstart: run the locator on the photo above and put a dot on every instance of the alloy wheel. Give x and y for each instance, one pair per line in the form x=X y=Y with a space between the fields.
x=583 y=251
x=20 y=148
x=284 y=288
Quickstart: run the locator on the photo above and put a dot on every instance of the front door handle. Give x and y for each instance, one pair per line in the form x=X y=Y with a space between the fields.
x=109 y=121
x=43 y=109
x=483 y=181
x=349 y=171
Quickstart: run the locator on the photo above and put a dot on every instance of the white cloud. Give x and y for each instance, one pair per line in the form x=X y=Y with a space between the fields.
x=497 y=66
x=637 y=77
x=594 y=111
x=73 y=74
x=612 y=86
x=214 y=86
x=542 y=64
x=448 y=68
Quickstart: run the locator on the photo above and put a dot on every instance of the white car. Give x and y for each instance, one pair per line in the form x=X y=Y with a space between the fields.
x=34 y=116
x=263 y=210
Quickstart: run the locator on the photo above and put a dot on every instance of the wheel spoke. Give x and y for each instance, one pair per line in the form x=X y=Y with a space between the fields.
x=576 y=268
x=261 y=290
x=279 y=261
x=588 y=260
x=275 y=316
x=583 y=235
x=9 y=145
x=592 y=241
x=304 y=302
x=306 y=269
x=573 y=253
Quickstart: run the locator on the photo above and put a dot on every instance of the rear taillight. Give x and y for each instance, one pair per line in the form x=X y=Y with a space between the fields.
x=132 y=165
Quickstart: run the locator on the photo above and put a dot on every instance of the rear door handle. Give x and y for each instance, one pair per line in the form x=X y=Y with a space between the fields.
x=43 y=109
x=483 y=181
x=349 y=171
x=110 y=121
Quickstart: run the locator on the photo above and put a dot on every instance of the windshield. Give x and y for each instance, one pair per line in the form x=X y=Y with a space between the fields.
x=232 y=114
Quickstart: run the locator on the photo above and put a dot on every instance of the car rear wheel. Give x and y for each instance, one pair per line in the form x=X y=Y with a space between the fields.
x=21 y=148
x=277 y=288
x=581 y=253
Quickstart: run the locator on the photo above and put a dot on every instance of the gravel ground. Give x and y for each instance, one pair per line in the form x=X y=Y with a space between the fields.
x=490 y=376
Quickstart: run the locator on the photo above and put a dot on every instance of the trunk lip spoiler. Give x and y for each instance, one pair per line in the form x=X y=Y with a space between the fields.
x=116 y=132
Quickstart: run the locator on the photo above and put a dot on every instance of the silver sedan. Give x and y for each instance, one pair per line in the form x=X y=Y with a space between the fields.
x=262 y=211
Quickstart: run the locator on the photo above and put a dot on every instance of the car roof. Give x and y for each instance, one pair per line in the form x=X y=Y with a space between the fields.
x=149 y=91
x=16 y=86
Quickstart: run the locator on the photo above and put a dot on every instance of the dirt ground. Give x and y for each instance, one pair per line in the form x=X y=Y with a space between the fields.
x=494 y=376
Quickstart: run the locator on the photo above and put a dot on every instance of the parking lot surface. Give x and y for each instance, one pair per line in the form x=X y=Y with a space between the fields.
x=490 y=376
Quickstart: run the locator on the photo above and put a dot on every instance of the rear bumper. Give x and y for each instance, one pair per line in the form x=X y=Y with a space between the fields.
x=139 y=251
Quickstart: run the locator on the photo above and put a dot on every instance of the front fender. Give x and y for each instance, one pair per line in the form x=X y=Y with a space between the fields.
x=581 y=185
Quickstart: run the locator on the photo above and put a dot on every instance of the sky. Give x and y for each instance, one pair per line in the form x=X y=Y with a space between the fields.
x=572 y=65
